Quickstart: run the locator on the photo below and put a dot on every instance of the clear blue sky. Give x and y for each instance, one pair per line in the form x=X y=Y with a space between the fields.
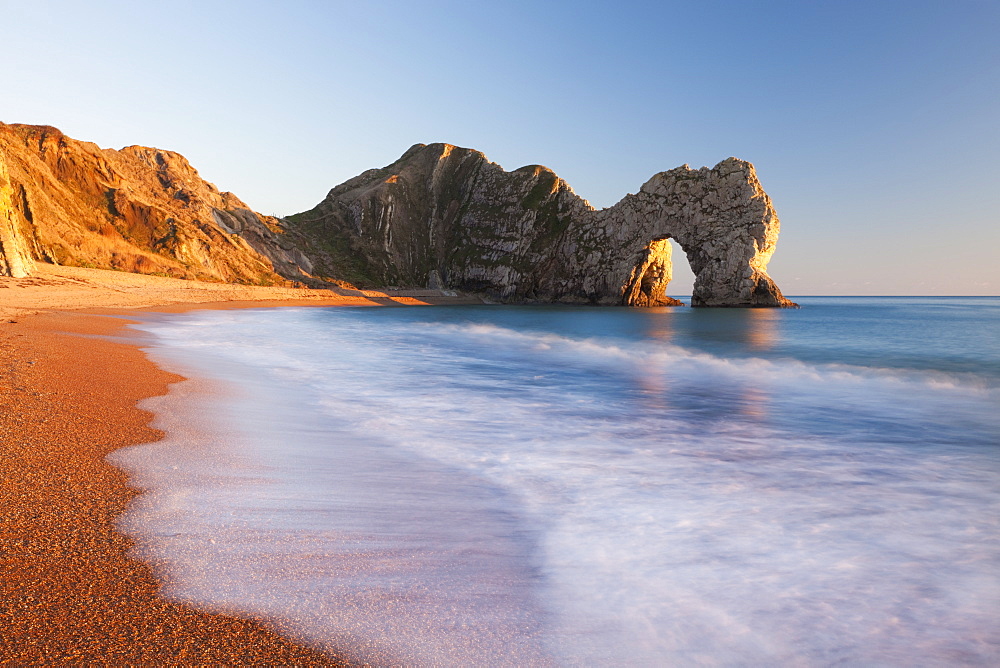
x=874 y=126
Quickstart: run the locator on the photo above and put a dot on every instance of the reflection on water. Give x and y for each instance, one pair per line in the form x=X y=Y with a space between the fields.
x=753 y=330
x=761 y=328
x=753 y=403
x=590 y=486
x=749 y=329
x=653 y=379
x=760 y=335
x=659 y=324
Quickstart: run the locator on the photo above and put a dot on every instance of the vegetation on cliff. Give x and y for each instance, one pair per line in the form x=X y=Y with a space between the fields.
x=440 y=216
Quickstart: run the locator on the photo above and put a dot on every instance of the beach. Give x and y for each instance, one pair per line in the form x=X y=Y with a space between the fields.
x=69 y=590
x=517 y=485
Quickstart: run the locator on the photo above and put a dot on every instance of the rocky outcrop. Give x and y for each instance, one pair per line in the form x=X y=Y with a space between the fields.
x=440 y=216
x=139 y=209
x=15 y=237
x=443 y=215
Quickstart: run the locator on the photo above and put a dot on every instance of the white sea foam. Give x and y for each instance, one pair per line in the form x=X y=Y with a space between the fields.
x=442 y=493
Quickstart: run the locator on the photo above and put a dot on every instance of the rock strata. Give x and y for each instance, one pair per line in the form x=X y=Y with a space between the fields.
x=439 y=217
x=444 y=215
x=15 y=235
x=139 y=210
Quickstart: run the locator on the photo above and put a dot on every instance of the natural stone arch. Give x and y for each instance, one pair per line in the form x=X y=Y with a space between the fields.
x=445 y=215
x=721 y=218
x=439 y=214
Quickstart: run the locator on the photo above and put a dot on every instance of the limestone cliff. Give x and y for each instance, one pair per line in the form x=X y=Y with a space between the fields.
x=139 y=209
x=440 y=216
x=447 y=216
x=16 y=248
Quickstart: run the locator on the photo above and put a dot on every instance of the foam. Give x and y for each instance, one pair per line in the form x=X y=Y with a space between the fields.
x=368 y=476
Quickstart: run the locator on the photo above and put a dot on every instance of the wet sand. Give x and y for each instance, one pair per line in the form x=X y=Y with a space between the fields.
x=69 y=592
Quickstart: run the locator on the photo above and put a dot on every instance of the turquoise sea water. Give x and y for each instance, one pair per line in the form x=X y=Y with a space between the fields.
x=582 y=486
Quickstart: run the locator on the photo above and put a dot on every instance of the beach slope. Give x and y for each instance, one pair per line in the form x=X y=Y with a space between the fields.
x=69 y=591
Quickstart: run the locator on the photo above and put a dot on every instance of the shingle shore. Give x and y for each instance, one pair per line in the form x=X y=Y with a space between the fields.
x=69 y=592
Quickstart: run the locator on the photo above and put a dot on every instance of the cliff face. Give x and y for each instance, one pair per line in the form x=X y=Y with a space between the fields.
x=17 y=245
x=139 y=209
x=447 y=216
x=440 y=216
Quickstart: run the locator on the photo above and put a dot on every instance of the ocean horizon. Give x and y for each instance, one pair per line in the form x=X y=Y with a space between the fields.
x=562 y=485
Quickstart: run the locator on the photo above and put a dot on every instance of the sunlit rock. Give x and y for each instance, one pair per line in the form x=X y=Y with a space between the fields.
x=137 y=209
x=15 y=255
x=445 y=215
x=441 y=217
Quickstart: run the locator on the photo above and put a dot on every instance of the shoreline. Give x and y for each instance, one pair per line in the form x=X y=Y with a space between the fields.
x=78 y=289
x=70 y=591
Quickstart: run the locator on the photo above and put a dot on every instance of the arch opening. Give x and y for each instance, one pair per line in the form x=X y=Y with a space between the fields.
x=682 y=283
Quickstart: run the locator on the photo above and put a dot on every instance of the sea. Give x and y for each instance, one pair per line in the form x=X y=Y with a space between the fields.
x=582 y=486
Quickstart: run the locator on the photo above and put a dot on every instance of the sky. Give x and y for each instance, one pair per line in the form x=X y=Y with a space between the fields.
x=874 y=126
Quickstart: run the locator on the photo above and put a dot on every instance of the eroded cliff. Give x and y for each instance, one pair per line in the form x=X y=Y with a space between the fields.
x=443 y=215
x=139 y=209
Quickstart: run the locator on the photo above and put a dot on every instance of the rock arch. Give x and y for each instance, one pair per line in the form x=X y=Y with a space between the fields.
x=721 y=218
x=439 y=214
x=445 y=215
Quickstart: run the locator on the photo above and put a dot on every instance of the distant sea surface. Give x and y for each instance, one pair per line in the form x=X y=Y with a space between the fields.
x=573 y=486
